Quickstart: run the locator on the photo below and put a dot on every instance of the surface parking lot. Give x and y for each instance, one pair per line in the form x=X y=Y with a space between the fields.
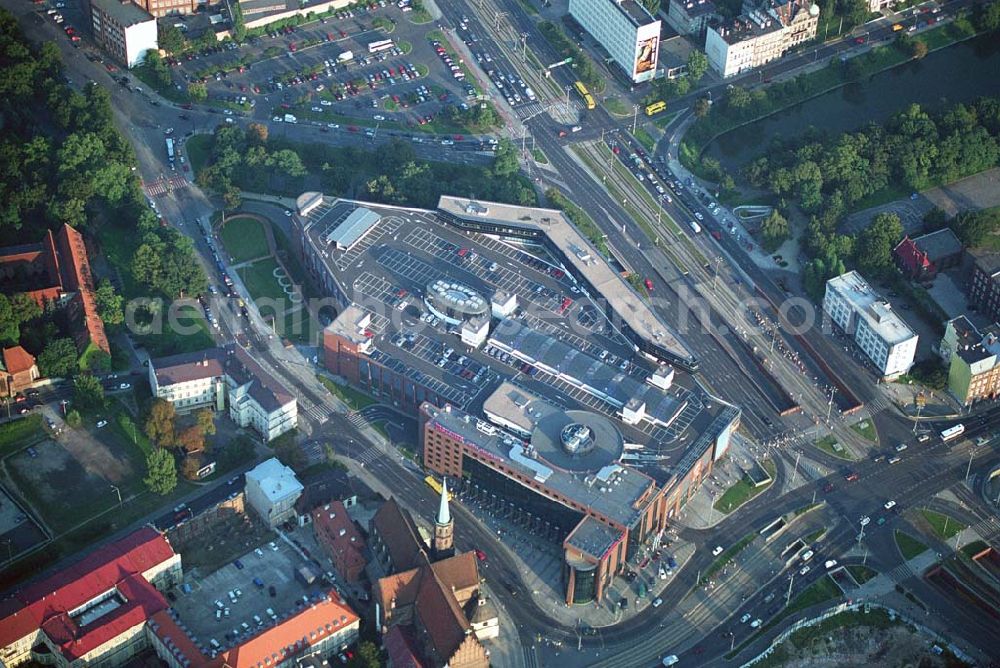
x=326 y=71
x=211 y=613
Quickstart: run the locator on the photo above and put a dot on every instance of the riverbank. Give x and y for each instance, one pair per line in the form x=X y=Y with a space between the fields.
x=743 y=107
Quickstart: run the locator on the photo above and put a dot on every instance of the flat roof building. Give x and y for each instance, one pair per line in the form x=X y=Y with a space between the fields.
x=869 y=319
x=272 y=489
x=762 y=34
x=626 y=30
x=124 y=29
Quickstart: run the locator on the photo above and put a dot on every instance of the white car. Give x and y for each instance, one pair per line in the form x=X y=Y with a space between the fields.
x=276 y=119
x=830 y=563
x=670 y=660
x=745 y=618
x=288 y=212
x=658 y=602
x=807 y=555
x=717 y=551
x=378 y=117
x=332 y=126
x=697 y=214
x=901 y=447
x=889 y=505
x=804 y=570
x=102 y=423
x=755 y=624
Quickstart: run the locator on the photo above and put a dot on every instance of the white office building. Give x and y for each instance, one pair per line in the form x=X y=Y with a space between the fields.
x=864 y=315
x=628 y=32
x=272 y=489
x=221 y=379
x=125 y=30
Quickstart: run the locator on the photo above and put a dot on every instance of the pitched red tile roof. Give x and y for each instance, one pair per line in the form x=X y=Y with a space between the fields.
x=291 y=637
x=17 y=360
x=913 y=259
x=76 y=274
x=440 y=615
x=335 y=530
x=397 y=530
x=27 y=609
x=401 y=649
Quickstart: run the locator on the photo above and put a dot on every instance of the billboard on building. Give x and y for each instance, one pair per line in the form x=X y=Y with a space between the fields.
x=646 y=55
x=722 y=442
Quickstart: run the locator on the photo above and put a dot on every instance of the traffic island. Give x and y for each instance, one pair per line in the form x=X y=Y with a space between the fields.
x=908 y=546
x=754 y=481
x=830 y=446
x=866 y=430
x=941 y=525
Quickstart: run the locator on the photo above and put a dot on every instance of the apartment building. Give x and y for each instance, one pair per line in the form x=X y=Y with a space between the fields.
x=161 y=8
x=984 y=286
x=221 y=379
x=924 y=257
x=760 y=35
x=691 y=17
x=973 y=360
x=125 y=30
x=869 y=319
x=18 y=371
x=628 y=32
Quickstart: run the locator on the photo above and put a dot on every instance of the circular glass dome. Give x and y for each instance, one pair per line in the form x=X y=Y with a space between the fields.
x=577 y=439
x=454 y=302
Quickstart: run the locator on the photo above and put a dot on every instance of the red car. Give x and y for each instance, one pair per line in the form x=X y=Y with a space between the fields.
x=480 y=555
x=859 y=40
x=852 y=476
x=649 y=284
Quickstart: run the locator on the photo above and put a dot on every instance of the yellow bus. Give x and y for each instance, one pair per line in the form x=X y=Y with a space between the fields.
x=433 y=483
x=588 y=99
x=655 y=108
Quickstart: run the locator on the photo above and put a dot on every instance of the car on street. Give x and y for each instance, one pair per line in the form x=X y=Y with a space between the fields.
x=895 y=460
x=717 y=551
x=852 y=476
x=830 y=563
x=658 y=602
x=670 y=660
x=480 y=555
x=756 y=623
x=745 y=618
x=102 y=423
x=804 y=570
x=890 y=504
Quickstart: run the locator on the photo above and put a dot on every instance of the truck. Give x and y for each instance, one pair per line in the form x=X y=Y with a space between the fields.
x=170 y=149
x=695 y=227
x=345 y=57
x=290 y=119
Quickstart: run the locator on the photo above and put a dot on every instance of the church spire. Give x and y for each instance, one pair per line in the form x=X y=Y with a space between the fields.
x=444 y=515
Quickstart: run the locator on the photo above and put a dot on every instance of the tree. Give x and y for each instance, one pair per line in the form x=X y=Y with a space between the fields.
x=874 y=246
x=206 y=421
x=160 y=423
x=191 y=439
x=919 y=48
x=774 y=231
x=73 y=418
x=290 y=454
x=701 y=107
x=239 y=24
x=88 y=393
x=505 y=162
x=161 y=472
x=368 y=656
x=109 y=304
x=988 y=18
x=257 y=133
x=170 y=38
x=59 y=359
x=197 y=91
x=697 y=65
x=652 y=6
x=10 y=329
x=24 y=307
x=190 y=467
x=974 y=227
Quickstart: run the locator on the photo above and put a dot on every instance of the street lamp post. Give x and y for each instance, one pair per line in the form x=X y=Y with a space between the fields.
x=921 y=401
x=119 y=493
x=795 y=469
x=864 y=522
x=635 y=116
x=788 y=596
x=968 y=470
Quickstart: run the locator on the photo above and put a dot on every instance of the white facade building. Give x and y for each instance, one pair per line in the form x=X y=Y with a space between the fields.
x=880 y=333
x=272 y=489
x=760 y=35
x=627 y=32
x=218 y=378
x=125 y=30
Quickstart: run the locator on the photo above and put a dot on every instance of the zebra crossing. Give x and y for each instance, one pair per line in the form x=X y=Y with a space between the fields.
x=317 y=412
x=877 y=405
x=162 y=186
x=530 y=657
x=368 y=455
x=901 y=572
x=357 y=420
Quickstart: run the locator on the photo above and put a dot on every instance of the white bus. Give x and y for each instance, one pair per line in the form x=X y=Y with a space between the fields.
x=952 y=432
x=381 y=45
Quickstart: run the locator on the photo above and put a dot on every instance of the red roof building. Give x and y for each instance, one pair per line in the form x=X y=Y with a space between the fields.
x=922 y=258
x=17 y=371
x=93 y=607
x=340 y=539
x=57 y=270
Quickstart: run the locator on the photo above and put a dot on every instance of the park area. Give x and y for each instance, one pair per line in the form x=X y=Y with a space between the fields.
x=245 y=239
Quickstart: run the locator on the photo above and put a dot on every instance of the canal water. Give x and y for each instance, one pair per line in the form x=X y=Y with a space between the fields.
x=959 y=73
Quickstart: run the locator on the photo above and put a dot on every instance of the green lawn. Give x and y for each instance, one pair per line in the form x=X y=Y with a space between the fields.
x=827 y=443
x=741 y=492
x=944 y=527
x=617 y=107
x=866 y=430
x=539 y=156
x=663 y=120
x=197 y=148
x=260 y=281
x=861 y=573
x=354 y=399
x=645 y=139
x=727 y=556
x=171 y=342
x=244 y=238
x=807 y=509
x=814 y=536
x=909 y=547
x=973 y=548
x=20 y=433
